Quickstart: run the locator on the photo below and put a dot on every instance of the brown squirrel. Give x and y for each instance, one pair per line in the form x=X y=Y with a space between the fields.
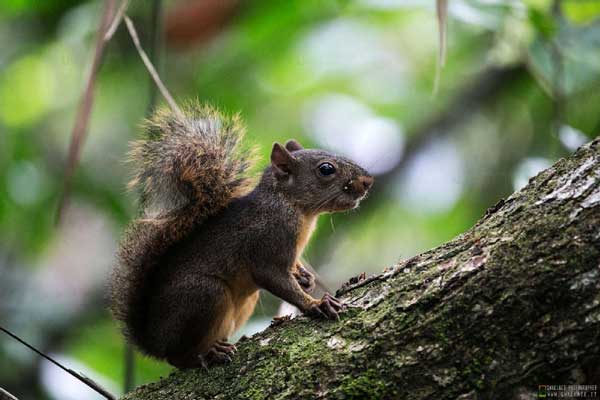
x=190 y=268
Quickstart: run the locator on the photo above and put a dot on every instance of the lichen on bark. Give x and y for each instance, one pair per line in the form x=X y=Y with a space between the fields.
x=510 y=304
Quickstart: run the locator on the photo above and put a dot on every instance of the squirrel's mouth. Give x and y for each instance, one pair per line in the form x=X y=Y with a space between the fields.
x=348 y=202
x=353 y=192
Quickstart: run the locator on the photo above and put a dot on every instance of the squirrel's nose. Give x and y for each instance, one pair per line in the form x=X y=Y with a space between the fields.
x=362 y=184
x=367 y=181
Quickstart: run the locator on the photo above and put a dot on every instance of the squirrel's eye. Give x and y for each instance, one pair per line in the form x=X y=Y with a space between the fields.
x=326 y=169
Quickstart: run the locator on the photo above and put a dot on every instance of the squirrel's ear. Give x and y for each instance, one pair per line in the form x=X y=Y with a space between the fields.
x=281 y=160
x=293 y=145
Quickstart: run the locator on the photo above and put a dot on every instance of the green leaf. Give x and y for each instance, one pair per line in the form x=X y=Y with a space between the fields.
x=543 y=22
x=582 y=12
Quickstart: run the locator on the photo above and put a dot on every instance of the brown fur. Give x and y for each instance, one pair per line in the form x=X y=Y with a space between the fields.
x=191 y=268
x=306 y=227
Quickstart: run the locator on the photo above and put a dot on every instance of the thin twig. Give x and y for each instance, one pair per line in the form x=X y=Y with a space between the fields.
x=116 y=20
x=129 y=373
x=155 y=50
x=87 y=381
x=442 y=17
x=559 y=99
x=350 y=287
x=85 y=107
x=4 y=395
x=151 y=69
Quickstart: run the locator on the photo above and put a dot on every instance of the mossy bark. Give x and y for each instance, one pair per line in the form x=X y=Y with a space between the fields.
x=512 y=303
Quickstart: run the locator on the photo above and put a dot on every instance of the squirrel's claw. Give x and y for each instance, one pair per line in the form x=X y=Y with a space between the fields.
x=202 y=362
x=328 y=307
x=338 y=303
x=221 y=352
x=225 y=347
x=316 y=311
x=331 y=313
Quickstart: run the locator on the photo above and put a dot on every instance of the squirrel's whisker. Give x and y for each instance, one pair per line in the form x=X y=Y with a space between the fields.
x=327 y=200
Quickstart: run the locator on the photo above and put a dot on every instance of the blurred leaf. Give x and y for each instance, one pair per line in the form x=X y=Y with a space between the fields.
x=27 y=89
x=543 y=22
x=47 y=8
x=16 y=6
x=581 y=12
x=542 y=5
x=577 y=50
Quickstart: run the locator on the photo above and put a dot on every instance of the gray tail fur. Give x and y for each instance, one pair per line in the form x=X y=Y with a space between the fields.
x=185 y=171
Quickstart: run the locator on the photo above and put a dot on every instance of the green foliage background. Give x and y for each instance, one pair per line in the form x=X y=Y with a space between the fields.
x=274 y=62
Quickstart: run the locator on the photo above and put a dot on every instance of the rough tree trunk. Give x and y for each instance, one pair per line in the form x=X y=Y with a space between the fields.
x=510 y=304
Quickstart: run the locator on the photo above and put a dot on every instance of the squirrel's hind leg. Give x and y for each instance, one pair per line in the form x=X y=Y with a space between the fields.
x=236 y=314
x=205 y=323
x=244 y=309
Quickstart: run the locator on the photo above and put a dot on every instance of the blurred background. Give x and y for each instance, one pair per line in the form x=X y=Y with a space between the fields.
x=520 y=89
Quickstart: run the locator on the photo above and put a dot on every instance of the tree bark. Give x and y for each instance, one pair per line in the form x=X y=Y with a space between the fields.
x=511 y=304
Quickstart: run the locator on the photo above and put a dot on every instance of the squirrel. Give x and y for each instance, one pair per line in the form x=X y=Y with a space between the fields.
x=191 y=266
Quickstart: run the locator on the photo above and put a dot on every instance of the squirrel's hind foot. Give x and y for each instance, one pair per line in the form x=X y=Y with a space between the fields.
x=219 y=353
x=189 y=362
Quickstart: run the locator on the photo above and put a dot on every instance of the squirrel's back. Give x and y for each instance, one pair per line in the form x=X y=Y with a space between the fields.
x=185 y=171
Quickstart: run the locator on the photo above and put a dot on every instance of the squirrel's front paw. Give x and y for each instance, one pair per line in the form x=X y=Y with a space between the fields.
x=328 y=307
x=305 y=279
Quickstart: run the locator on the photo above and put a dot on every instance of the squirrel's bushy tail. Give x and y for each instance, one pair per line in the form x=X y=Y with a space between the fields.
x=185 y=171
